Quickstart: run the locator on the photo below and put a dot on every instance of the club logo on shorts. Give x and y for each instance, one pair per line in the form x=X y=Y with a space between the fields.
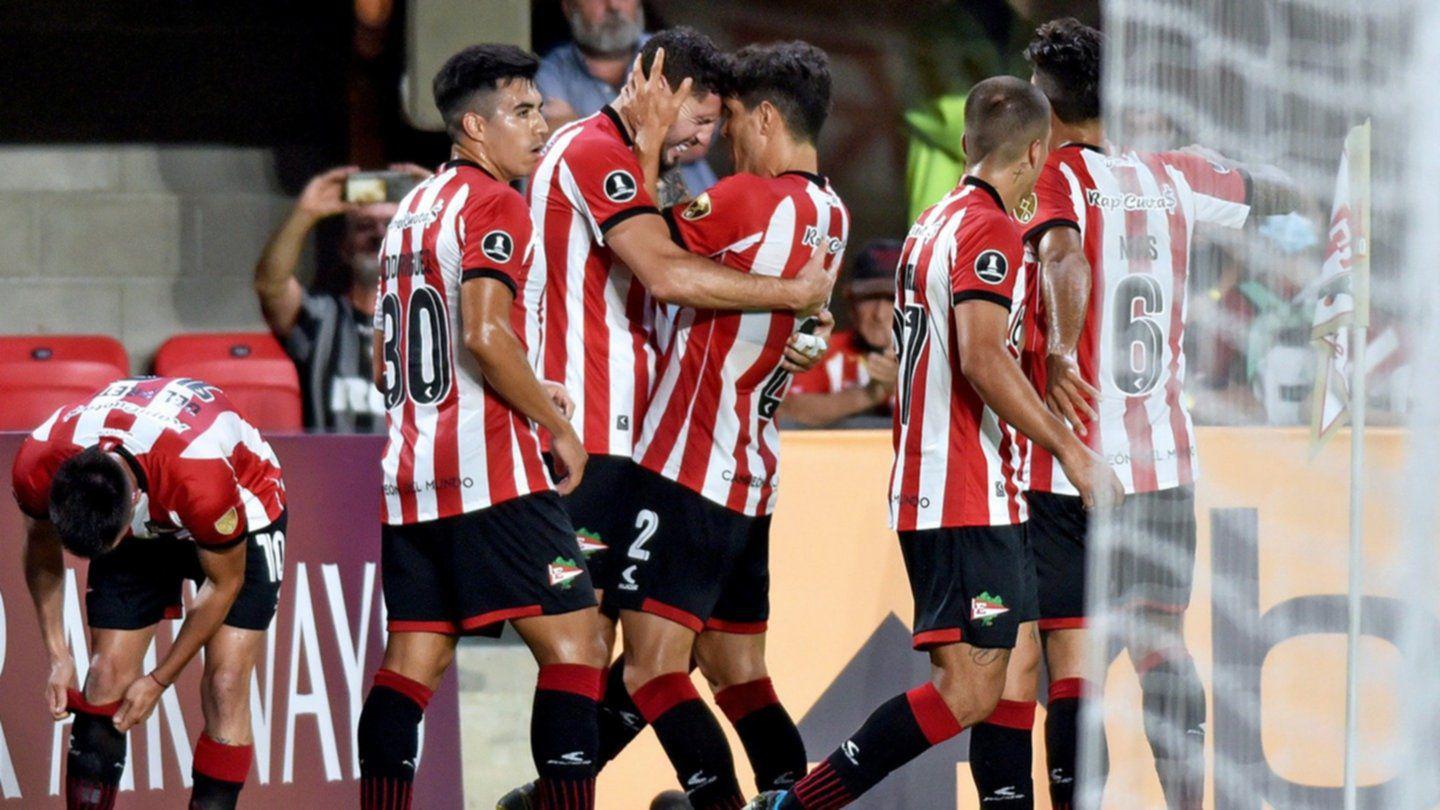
x=620 y=186
x=984 y=608
x=228 y=522
x=498 y=246
x=699 y=208
x=590 y=542
x=562 y=572
x=992 y=267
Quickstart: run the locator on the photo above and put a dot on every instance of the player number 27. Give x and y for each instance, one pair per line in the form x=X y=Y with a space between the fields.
x=423 y=368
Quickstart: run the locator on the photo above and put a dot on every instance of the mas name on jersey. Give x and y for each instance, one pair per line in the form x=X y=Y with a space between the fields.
x=404 y=264
x=1165 y=200
x=812 y=238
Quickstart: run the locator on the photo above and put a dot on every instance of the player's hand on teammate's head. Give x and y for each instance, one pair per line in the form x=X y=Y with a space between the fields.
x=1067 y=393
x=652 y=105
x=560 y=396
x=57 y=688
x=570 y=458
x=324 y=195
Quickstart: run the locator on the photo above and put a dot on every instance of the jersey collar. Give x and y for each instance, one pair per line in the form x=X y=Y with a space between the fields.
x=1082 y=145
x=609 y=112
x=817 y=179
x=454 y=163
x=971 y=180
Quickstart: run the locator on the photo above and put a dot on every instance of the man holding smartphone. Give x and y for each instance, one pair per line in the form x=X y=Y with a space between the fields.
x=326 y=329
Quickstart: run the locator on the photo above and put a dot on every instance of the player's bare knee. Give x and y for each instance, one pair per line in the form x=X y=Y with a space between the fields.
x=972 y=690
x=730 y=666
x=228 y=686
x=108 y=677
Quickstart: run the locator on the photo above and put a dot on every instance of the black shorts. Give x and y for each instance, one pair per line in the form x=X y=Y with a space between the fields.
x=1152 y=566
x=971 y=584
x=602 y=512
x=138 y=583
x=469 y=574
x=693 y=561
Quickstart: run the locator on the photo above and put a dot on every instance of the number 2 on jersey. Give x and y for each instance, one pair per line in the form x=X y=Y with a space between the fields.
x=424 y=370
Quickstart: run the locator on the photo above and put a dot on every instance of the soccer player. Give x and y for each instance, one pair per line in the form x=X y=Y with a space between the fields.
x=1112 y=232
x=155 y=480
x=475 y=534
x=604 y=256
x=695 y=579
x=956 y=492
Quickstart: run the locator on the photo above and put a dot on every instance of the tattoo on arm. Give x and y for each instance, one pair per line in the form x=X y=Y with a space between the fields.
x=985 y=656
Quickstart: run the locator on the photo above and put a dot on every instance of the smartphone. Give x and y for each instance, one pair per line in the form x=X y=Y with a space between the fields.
x=364 y=188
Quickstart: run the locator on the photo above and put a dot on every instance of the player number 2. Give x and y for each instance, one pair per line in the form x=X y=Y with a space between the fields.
x=1138 y=341
x=648 y=523
x=423 y=369
x=273 y=544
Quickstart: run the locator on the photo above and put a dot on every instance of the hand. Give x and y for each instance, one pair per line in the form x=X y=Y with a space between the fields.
x=652 y=106
x=1066 y=392
x=62 y=679
x=815 y=281
x=560 y=396
x=1099 y=487
x=415 y=170
x=139 y=701
x=570 y=457
x=884 y=369
x=324 y=195
x=796 y=359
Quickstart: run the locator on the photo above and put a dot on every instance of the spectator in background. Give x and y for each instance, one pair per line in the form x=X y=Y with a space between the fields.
x=328 y=334
x=857 y=376
x=579 y=77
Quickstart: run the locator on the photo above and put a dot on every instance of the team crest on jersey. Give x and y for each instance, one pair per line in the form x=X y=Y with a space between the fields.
x=562 y=572
x=992 y=267
x=620 y=186
x=699 y=208
x=228 y=522
x=1025 y=211
x=498 y=246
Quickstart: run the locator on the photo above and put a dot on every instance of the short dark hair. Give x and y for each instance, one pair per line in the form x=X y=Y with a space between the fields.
x=89 y=502
x=793 y=76
x=1065 y=54
x=1003 y=116
x=691 y=55
x=476 y=72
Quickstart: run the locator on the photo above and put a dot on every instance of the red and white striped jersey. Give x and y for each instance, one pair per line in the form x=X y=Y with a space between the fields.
x=455 y=445
x=842 y=368
x=203 y=471
x=711 y=421
x=1136 y=214
x=956 y=463
x=595 y=318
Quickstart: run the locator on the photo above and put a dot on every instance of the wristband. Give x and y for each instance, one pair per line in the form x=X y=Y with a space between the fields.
x=162 y=684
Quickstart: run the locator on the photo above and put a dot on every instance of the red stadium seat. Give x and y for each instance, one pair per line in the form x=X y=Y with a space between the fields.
x=251 y=367
x=39 y=373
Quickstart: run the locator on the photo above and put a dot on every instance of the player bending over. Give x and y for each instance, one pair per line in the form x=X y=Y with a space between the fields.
x=475 y=534
x=1107 y=326
x=956 y=496
x=155 y=480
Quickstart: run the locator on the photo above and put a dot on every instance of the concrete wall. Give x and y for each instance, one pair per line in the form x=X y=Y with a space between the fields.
x=135 y=241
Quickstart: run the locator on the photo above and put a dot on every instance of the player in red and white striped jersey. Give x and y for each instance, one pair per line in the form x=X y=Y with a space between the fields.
x=157 y=480
x=1112 y=234
x=604 y=257
x=956 y=486
x=475 y=534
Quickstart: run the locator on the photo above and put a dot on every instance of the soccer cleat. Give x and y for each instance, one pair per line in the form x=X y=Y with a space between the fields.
x=771 y=800
x=521 y=798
